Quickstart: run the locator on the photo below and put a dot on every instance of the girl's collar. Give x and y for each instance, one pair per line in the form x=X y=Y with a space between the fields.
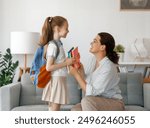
x=59 y=42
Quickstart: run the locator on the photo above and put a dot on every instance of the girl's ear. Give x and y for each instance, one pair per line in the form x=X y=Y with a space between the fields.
x=56 y=29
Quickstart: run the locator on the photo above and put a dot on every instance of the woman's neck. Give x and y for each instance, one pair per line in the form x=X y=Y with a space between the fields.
x=100 y=56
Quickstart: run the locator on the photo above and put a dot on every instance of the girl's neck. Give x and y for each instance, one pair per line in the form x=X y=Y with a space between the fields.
x=56 y=36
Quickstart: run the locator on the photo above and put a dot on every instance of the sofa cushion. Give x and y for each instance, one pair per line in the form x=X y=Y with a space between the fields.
x=31 y=108
x=134 y=108
x=31 y=95
x=66 y=107
x=131 y=88
x=74 y=93
x=40 y=108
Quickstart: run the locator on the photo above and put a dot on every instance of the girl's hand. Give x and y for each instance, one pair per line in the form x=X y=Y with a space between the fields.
x=70 y=61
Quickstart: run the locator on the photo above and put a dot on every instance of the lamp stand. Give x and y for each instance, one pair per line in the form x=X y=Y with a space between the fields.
x=25 y=61
x=25 y=69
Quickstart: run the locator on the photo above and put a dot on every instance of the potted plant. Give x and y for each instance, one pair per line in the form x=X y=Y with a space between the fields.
x=7 y=68
x=120 y=49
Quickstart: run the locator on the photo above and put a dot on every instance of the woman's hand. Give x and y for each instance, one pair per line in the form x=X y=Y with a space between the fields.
x=81 y=69
x=73 y=71
x=70 y=61
x=78 y=77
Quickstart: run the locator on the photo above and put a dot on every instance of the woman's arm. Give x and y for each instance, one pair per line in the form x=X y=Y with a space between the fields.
x=105 y=79
x=81 y=71
x=78 y=76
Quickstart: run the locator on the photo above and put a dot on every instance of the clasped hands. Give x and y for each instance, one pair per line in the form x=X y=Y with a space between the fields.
x=72 y=70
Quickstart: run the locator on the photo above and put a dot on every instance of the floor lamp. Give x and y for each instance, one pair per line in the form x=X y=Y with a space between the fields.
x=24 y=43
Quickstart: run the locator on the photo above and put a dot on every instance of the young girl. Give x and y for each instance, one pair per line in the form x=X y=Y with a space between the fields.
x=55 y=91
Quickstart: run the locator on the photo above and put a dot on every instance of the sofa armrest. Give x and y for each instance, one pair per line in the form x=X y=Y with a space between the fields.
x=146 y=89
x=9 y=96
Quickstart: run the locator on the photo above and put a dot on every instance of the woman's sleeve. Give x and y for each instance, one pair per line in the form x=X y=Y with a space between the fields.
x=90 y=65
x=51 y=51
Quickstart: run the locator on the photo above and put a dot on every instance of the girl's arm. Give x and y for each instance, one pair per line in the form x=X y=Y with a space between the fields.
x=50 y=66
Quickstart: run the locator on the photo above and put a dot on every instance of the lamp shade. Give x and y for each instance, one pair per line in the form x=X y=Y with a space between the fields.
x=24 y=42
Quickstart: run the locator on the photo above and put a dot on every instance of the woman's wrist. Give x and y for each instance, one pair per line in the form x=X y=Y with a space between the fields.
x=80 y=80
x=76 y=74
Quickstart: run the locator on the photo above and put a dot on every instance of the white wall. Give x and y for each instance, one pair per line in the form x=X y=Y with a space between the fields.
x=86 y=18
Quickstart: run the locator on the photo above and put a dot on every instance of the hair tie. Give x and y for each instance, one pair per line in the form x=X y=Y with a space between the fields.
x=50 y=19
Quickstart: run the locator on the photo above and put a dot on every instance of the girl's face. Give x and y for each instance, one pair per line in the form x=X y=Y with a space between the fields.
x=63 y=31
x=96 y=45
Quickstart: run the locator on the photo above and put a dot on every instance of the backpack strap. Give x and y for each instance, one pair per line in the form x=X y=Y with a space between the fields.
x=46 y=46
x=57 y=48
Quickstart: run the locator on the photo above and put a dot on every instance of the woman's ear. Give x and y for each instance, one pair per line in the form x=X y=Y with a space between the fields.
x=103 y=47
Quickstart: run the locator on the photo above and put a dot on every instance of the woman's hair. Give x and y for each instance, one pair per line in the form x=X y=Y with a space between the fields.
x=108 y=40
x=47 y=30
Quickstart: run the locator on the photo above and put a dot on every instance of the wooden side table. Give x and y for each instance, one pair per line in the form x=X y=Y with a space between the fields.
x=23 y=70
x=146 y=80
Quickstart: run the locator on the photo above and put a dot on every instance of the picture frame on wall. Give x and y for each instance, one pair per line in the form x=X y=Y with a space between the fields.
x=134 y=4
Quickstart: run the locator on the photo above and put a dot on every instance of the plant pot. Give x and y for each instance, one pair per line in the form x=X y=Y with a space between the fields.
x=121 y=57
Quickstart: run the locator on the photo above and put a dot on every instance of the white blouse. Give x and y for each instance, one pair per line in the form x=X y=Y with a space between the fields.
x=51 y=52
x=104 y=80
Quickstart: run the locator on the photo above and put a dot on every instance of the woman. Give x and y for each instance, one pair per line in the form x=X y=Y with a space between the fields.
x=101 y=84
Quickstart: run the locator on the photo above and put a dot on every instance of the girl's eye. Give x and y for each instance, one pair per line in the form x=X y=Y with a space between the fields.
x=94 y=41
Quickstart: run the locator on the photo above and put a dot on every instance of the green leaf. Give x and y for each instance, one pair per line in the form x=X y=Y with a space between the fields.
x=0 y=53
x=7 y=68
x=119 y=48
x=8 y=50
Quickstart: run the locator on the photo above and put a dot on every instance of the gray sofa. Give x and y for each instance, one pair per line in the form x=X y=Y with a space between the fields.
x=24 y=96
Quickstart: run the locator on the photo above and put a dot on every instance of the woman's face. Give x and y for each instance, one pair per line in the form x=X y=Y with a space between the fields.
x=95 y=45
x=63 y=31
